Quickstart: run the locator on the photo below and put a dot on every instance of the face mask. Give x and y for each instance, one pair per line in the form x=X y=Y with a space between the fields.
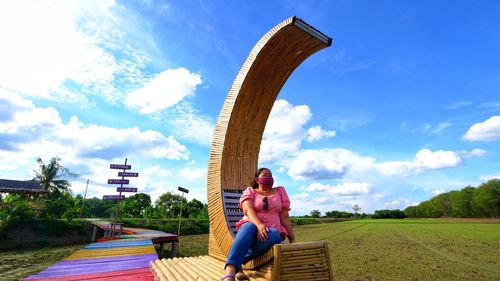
x=266 y=181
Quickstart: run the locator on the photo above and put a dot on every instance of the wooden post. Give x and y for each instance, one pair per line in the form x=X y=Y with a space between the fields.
x=94 y=233
x=277 y=263
x=175 y=247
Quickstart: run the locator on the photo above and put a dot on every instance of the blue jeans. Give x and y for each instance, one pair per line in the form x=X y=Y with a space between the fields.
x=247 y=247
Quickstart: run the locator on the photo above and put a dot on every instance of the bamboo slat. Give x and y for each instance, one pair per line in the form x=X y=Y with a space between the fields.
x=302 y=261
x=157 y=272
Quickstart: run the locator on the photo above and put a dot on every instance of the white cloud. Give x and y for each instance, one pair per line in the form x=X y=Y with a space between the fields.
x=476 y=152
x=486 y=178
x=300 y=196
x=393 y=204
x=426 y=128
x=395 y=168
x=191 y=174
x=317 y=133
x=458 y=105
x=188 y=124
x=488 y=130
x=64 y=51
x=348 y=188
x=309 y=164
x=32 y=131
x=164 y=90
x=438 y=191
x=439 y=128
x=426 y=159
x=323 y=164
x=326 y=163
x=284 y=130
x=156 y=171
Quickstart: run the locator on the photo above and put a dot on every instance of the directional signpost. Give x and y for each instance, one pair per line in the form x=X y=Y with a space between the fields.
x=123 y=174
x=121 y=181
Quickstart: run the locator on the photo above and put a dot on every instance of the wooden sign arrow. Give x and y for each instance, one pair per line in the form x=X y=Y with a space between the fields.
x=127 y=174
x=117 y=181
x=126 y=189
x=120 y=166
x=113 y=197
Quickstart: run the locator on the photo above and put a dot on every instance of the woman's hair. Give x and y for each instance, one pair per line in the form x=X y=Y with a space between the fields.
x=255 y=184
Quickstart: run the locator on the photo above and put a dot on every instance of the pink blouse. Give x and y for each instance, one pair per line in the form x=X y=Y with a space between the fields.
x=276 y=203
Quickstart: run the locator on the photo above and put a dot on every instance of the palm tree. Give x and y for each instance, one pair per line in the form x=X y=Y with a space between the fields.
x=49 y=176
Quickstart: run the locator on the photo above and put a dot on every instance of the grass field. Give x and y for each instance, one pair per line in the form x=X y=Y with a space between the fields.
x=360 y=250
x=400 y=249
x=410 y=249
x=17 y=264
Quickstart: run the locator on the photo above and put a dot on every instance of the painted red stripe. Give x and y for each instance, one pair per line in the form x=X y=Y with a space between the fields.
x=142 y=274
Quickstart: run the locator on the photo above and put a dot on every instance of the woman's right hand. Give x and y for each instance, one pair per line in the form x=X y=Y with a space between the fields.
x=262 y=232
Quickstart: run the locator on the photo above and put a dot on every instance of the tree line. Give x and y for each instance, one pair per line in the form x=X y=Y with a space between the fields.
x=469 y=202
x=58 y=202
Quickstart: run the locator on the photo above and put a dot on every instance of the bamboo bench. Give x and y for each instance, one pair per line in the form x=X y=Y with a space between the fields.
x=234 y=157
x=298 y=261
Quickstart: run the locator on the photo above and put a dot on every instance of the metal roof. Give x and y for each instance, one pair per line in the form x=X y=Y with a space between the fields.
x=15 y=186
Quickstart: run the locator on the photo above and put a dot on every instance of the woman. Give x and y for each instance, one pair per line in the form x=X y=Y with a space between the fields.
x=266 y=222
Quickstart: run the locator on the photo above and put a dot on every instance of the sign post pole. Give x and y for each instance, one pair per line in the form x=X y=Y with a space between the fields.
x=120 y=197
x=182 y=190
x=119 y=205
x=83 y=201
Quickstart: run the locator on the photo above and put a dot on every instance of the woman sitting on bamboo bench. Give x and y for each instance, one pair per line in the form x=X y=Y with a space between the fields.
x=266 y=222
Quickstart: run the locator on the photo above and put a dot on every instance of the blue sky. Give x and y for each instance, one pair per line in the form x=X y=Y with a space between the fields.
x=404 y=105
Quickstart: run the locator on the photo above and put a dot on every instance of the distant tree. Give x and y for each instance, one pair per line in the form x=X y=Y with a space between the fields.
x=14 y=208
x=51 y=176
x=98 y=208
x=134 y=205
x=483 y=201
x=315 y=214
x=462 y=203
x=487 y=198
x=192 y=209
x=338 y=214
x=55 y=206
x=151 y=213
x=389 y=214
x=73 y=207
x=356 y=209
x=169 y=204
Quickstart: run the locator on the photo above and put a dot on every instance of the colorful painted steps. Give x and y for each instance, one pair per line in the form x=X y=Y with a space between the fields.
x=126 y=258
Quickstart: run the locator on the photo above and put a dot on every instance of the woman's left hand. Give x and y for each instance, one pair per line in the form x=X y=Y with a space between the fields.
x=262 y=232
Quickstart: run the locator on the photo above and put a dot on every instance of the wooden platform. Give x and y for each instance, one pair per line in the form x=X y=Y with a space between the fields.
x=298 y=261
x=195 y=268
x=127 y=258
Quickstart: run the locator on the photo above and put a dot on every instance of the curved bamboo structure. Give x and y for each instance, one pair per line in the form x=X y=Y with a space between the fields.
x=236 y=141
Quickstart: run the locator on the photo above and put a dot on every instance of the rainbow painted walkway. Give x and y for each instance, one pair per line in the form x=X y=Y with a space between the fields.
x=127 y=258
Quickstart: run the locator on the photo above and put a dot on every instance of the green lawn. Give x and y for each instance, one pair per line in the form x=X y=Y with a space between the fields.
x=399 y=249
x=410 y=249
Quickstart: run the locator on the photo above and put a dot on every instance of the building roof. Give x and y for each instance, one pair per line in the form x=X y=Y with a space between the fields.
x=15 y=186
